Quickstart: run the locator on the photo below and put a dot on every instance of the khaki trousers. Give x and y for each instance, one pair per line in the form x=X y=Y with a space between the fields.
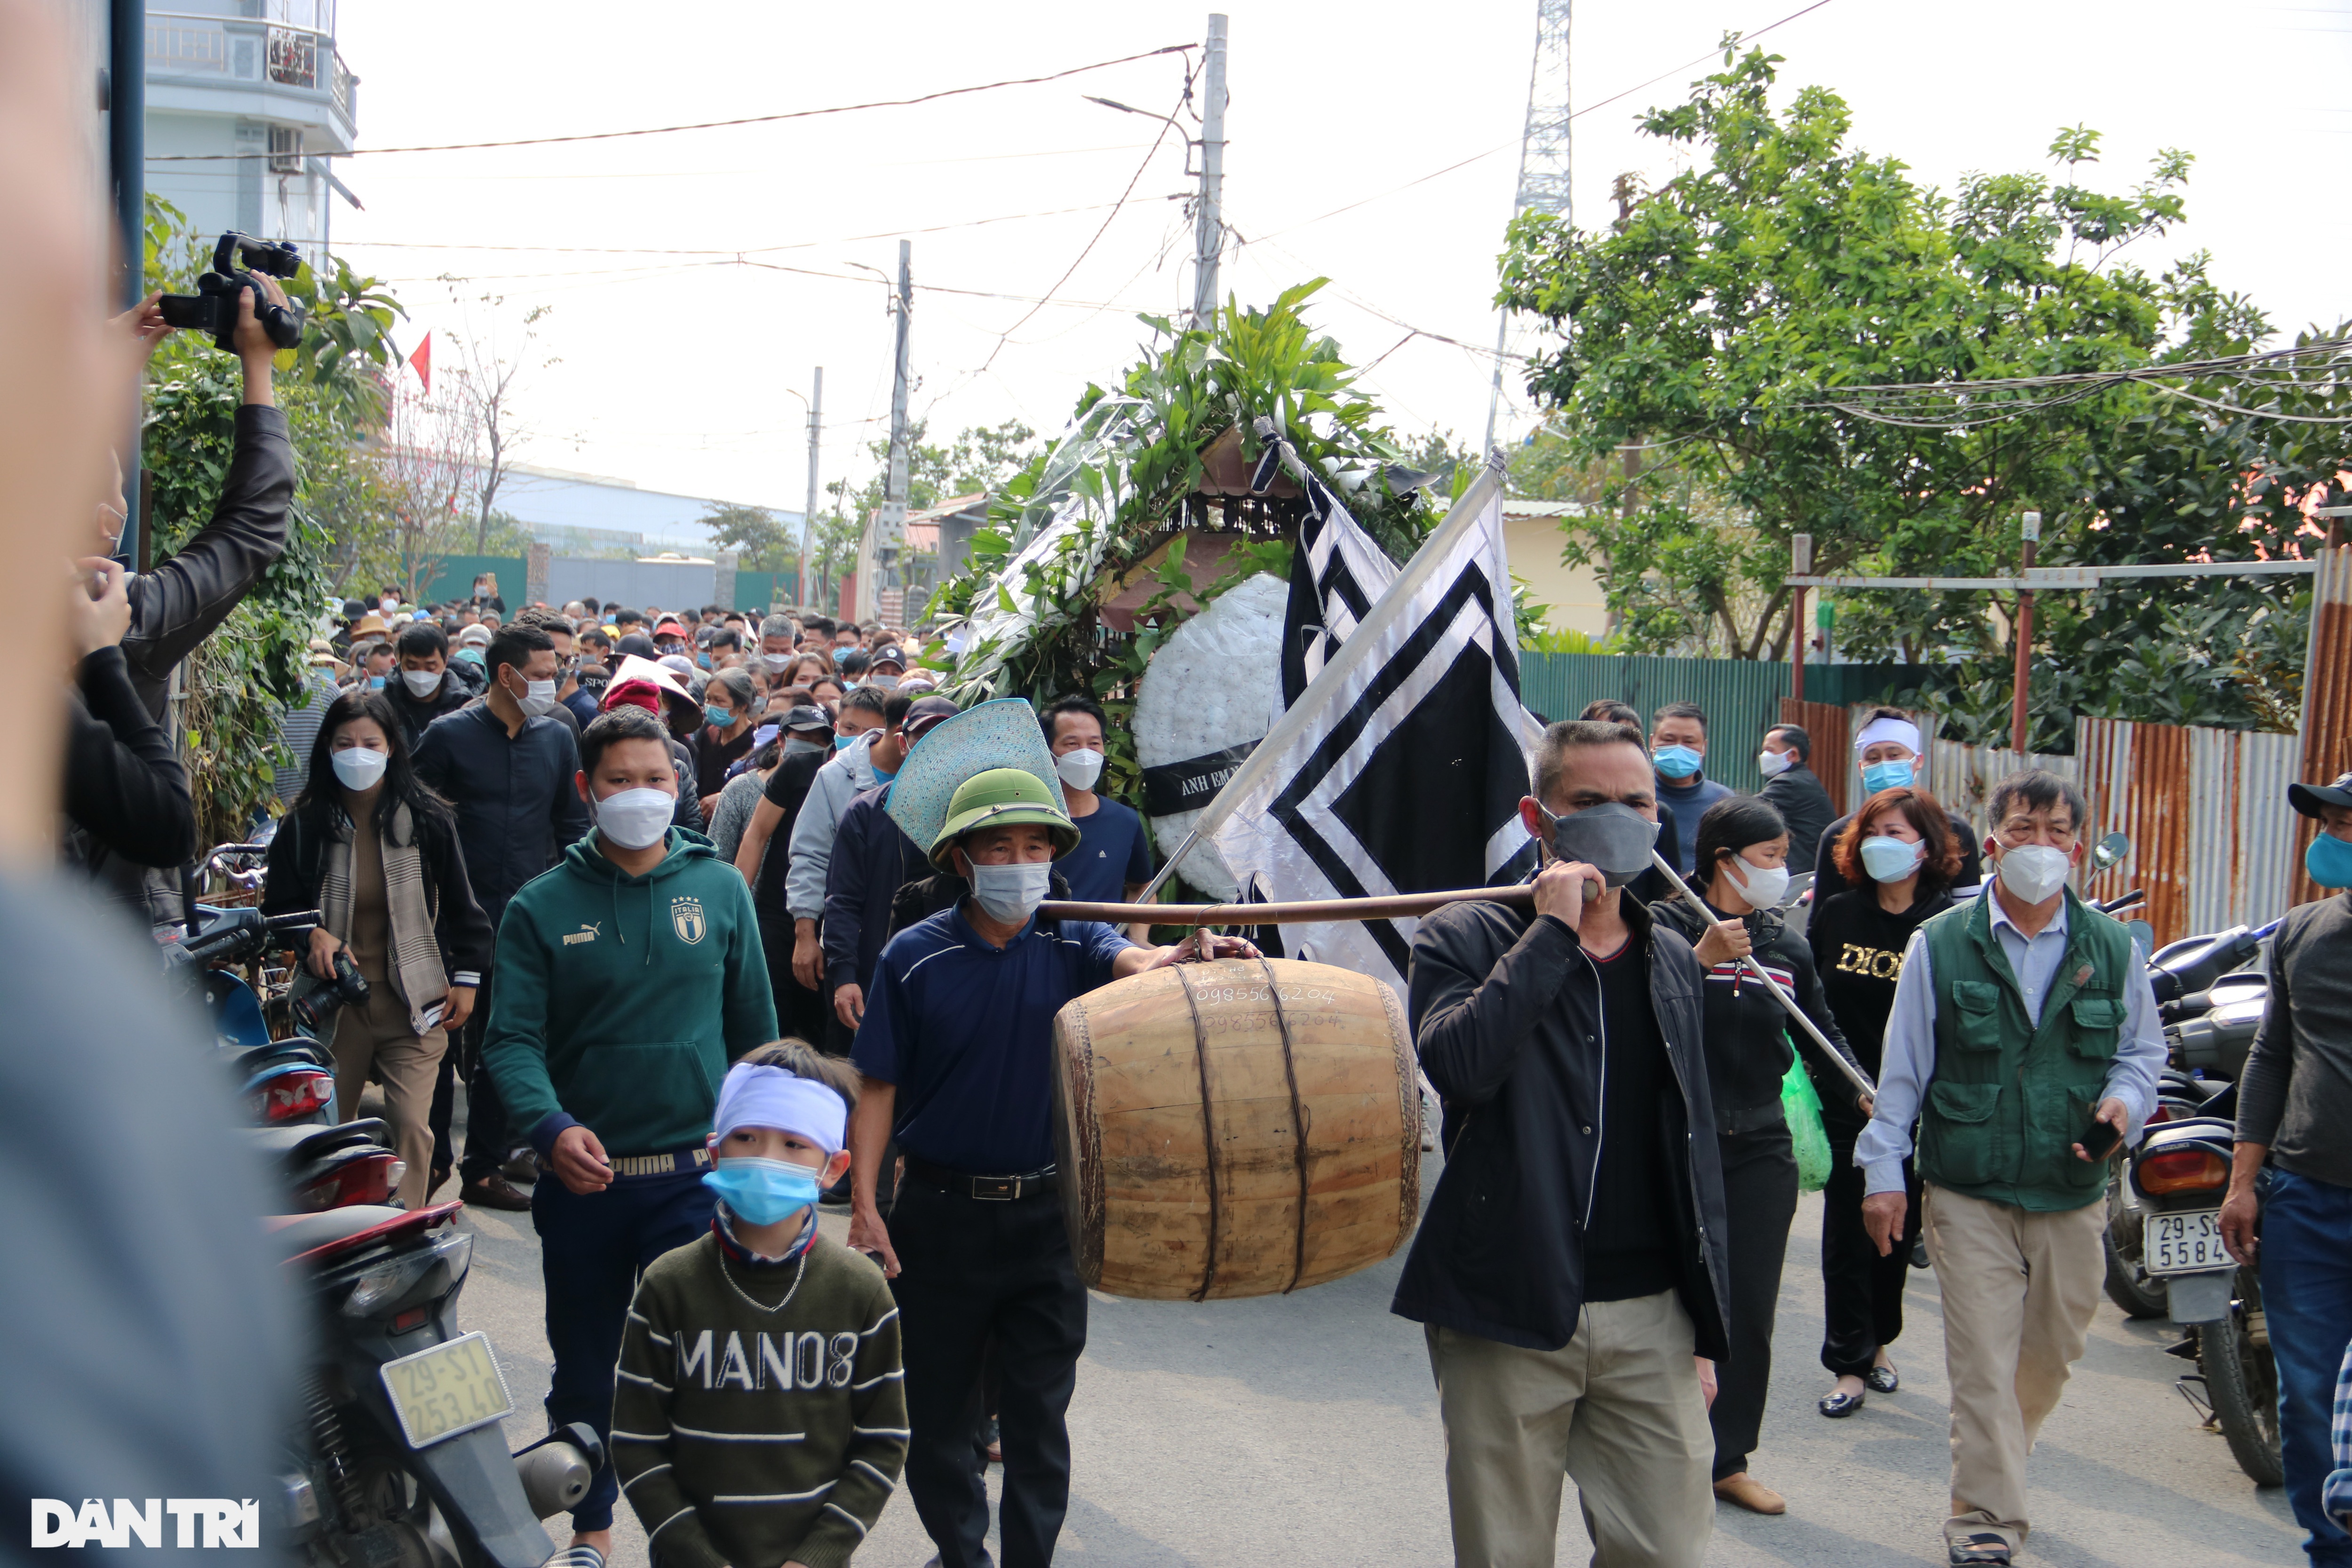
x=1618 y=1408
x=2019 y=1289
x=377 y=1035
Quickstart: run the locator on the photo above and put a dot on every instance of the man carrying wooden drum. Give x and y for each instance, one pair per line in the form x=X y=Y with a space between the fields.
x=956 y=1057
x=1572 y=1262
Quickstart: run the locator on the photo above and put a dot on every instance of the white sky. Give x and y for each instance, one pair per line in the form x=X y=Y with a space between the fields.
x=672 y=370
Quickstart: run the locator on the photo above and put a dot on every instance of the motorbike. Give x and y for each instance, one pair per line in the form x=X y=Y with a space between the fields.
x=402 y=1462
x=2179 y=1175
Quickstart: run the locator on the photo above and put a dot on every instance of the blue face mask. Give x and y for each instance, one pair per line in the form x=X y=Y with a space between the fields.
x=703 y=660
x=2329 y=861
x=763 y=1191
x=375 y=683
x=842 y=743
x=1886 y=775
x=1675 y=762
x=1889 y=859
x=719 y=718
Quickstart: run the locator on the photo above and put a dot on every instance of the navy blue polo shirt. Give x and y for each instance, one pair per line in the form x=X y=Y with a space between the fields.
x=966 y=1032
x=1113 y=851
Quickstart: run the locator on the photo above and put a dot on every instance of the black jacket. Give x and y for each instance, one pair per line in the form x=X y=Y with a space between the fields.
x=182 y=600
x=872 y=858
x=1829 y=881
x=297 y=867
x=1506 y=1017
x=416 y=713
x=1748 y=1035
x=126 y=793
x=518 y=808
x=1803 y=803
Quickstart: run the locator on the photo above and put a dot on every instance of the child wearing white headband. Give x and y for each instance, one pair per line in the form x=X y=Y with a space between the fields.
x=772 y=1347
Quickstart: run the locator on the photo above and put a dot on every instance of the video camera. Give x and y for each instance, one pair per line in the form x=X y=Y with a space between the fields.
x=213 y=307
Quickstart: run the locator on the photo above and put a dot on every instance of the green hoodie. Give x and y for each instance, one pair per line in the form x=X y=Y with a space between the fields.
x=617 y=1001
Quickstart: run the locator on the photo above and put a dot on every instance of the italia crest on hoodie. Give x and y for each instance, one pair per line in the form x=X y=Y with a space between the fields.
x=685 y=918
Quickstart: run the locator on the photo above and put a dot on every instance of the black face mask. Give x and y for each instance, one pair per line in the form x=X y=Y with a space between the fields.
x=1615 y=839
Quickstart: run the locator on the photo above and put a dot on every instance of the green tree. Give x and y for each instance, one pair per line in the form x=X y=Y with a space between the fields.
x=241 y=679
x=1717 y=326
x=759 y=538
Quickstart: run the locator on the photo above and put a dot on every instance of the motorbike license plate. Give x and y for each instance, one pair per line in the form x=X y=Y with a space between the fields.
x=451 y=1388
x=2186 y=1243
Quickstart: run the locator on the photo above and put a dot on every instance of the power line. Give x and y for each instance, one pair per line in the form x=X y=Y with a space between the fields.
x=743 y=250
x=711 y=124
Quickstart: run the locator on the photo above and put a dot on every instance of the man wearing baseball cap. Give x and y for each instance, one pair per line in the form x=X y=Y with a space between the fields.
x=2289 y=1208
x=807 y=734
x=955 y=1059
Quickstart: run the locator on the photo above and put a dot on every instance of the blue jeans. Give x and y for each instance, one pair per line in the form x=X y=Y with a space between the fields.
x=2307 y=1272
x=592 y=1251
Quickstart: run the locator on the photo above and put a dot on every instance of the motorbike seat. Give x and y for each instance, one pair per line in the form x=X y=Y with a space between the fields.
x=300 y=1233
x=294 y=1145
x=2189 y=1130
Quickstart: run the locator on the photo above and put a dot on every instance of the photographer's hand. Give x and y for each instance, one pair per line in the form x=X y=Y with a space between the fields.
x=143 y=325
x=100 y=622
x=254 y=348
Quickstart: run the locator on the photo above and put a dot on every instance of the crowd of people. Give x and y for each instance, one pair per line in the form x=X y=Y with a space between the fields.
x=633 y=865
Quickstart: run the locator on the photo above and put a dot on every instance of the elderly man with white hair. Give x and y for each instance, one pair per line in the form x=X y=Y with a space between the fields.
x=1888 y=746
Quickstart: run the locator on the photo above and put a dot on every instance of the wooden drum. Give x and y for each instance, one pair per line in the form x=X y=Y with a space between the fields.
x=1235 y=1129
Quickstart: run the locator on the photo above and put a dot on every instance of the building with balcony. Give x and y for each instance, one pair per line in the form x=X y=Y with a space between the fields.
x=247 y=102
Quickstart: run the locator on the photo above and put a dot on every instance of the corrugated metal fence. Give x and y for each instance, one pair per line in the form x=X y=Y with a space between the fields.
x=1741 y=697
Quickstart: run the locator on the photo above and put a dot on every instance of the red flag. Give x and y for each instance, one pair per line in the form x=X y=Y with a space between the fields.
x=421 y=362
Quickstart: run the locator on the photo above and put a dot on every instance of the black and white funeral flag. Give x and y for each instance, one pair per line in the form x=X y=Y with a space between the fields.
x=1400 y=761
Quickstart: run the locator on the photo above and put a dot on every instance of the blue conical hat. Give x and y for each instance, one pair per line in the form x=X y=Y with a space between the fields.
x=999 y=734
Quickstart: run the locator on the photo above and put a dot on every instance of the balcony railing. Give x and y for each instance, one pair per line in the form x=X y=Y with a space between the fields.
x=234 y=48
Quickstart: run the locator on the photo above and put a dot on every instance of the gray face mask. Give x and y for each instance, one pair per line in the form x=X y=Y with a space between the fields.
x=1615 y=839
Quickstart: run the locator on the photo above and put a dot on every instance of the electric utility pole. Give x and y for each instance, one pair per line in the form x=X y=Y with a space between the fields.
x=808 y=514
x=1208 y=224
x=891 y=531
x=1543 y=157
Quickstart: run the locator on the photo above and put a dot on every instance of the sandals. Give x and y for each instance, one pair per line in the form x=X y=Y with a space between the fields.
x=1983 y=1548
x=1838 y=1407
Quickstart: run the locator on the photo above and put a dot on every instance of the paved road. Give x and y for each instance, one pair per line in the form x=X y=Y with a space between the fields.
x=1304 y=1430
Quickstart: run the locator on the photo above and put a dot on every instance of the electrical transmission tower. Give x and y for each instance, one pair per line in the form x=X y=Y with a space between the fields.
x=1543 y=166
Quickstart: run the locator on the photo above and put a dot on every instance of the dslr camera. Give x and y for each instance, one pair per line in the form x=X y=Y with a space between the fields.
x=213 y=307
x=347 y=987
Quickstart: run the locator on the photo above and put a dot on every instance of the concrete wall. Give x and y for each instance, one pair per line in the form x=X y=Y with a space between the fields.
x=632 y=583
x=1574 y=592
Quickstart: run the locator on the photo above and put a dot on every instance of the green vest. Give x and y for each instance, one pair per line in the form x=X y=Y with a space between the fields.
x=2009 y=1100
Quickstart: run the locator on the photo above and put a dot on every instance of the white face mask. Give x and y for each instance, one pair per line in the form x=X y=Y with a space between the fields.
x=635 y=818
x=421 y=683
x=1011 y=893
x=2034 y=871
x=1890 y=859
x=1079 y=769
x=1772 y=764
x=776 y=661
x=358 y=767
x=537 y=697
x=1767 y=885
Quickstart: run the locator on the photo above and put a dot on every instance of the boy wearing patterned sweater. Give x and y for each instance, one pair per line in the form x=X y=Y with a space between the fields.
x=759 y=1418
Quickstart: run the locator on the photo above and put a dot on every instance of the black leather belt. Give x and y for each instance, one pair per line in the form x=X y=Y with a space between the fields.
x=987 y=1189
x=1750 y=1119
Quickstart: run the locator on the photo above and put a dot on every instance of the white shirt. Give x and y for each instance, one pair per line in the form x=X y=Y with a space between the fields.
x=1907 y=1057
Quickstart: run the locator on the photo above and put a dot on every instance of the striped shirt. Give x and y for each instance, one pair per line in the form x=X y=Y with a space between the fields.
x=2336 y=1495
x=759 y=1413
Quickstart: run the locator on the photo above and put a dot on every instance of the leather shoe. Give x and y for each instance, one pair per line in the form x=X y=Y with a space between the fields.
x=1980 y=1550
x=494 y=1192
x=1882 y=1380
x=1838 y=1407
x=1751 y=1494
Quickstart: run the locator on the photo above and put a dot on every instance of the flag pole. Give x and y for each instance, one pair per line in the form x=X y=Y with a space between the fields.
x=1335 y=672
x=1859 y=1080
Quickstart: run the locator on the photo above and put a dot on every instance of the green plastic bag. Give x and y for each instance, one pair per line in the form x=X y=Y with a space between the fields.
x=1802 y=1107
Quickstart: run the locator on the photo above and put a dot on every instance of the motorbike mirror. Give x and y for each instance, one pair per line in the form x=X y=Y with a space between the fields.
x=2143 y=937
x=2110 y=851
x=1798 y=888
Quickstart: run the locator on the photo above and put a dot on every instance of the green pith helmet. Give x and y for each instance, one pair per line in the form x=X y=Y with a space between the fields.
x=1003 y=797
